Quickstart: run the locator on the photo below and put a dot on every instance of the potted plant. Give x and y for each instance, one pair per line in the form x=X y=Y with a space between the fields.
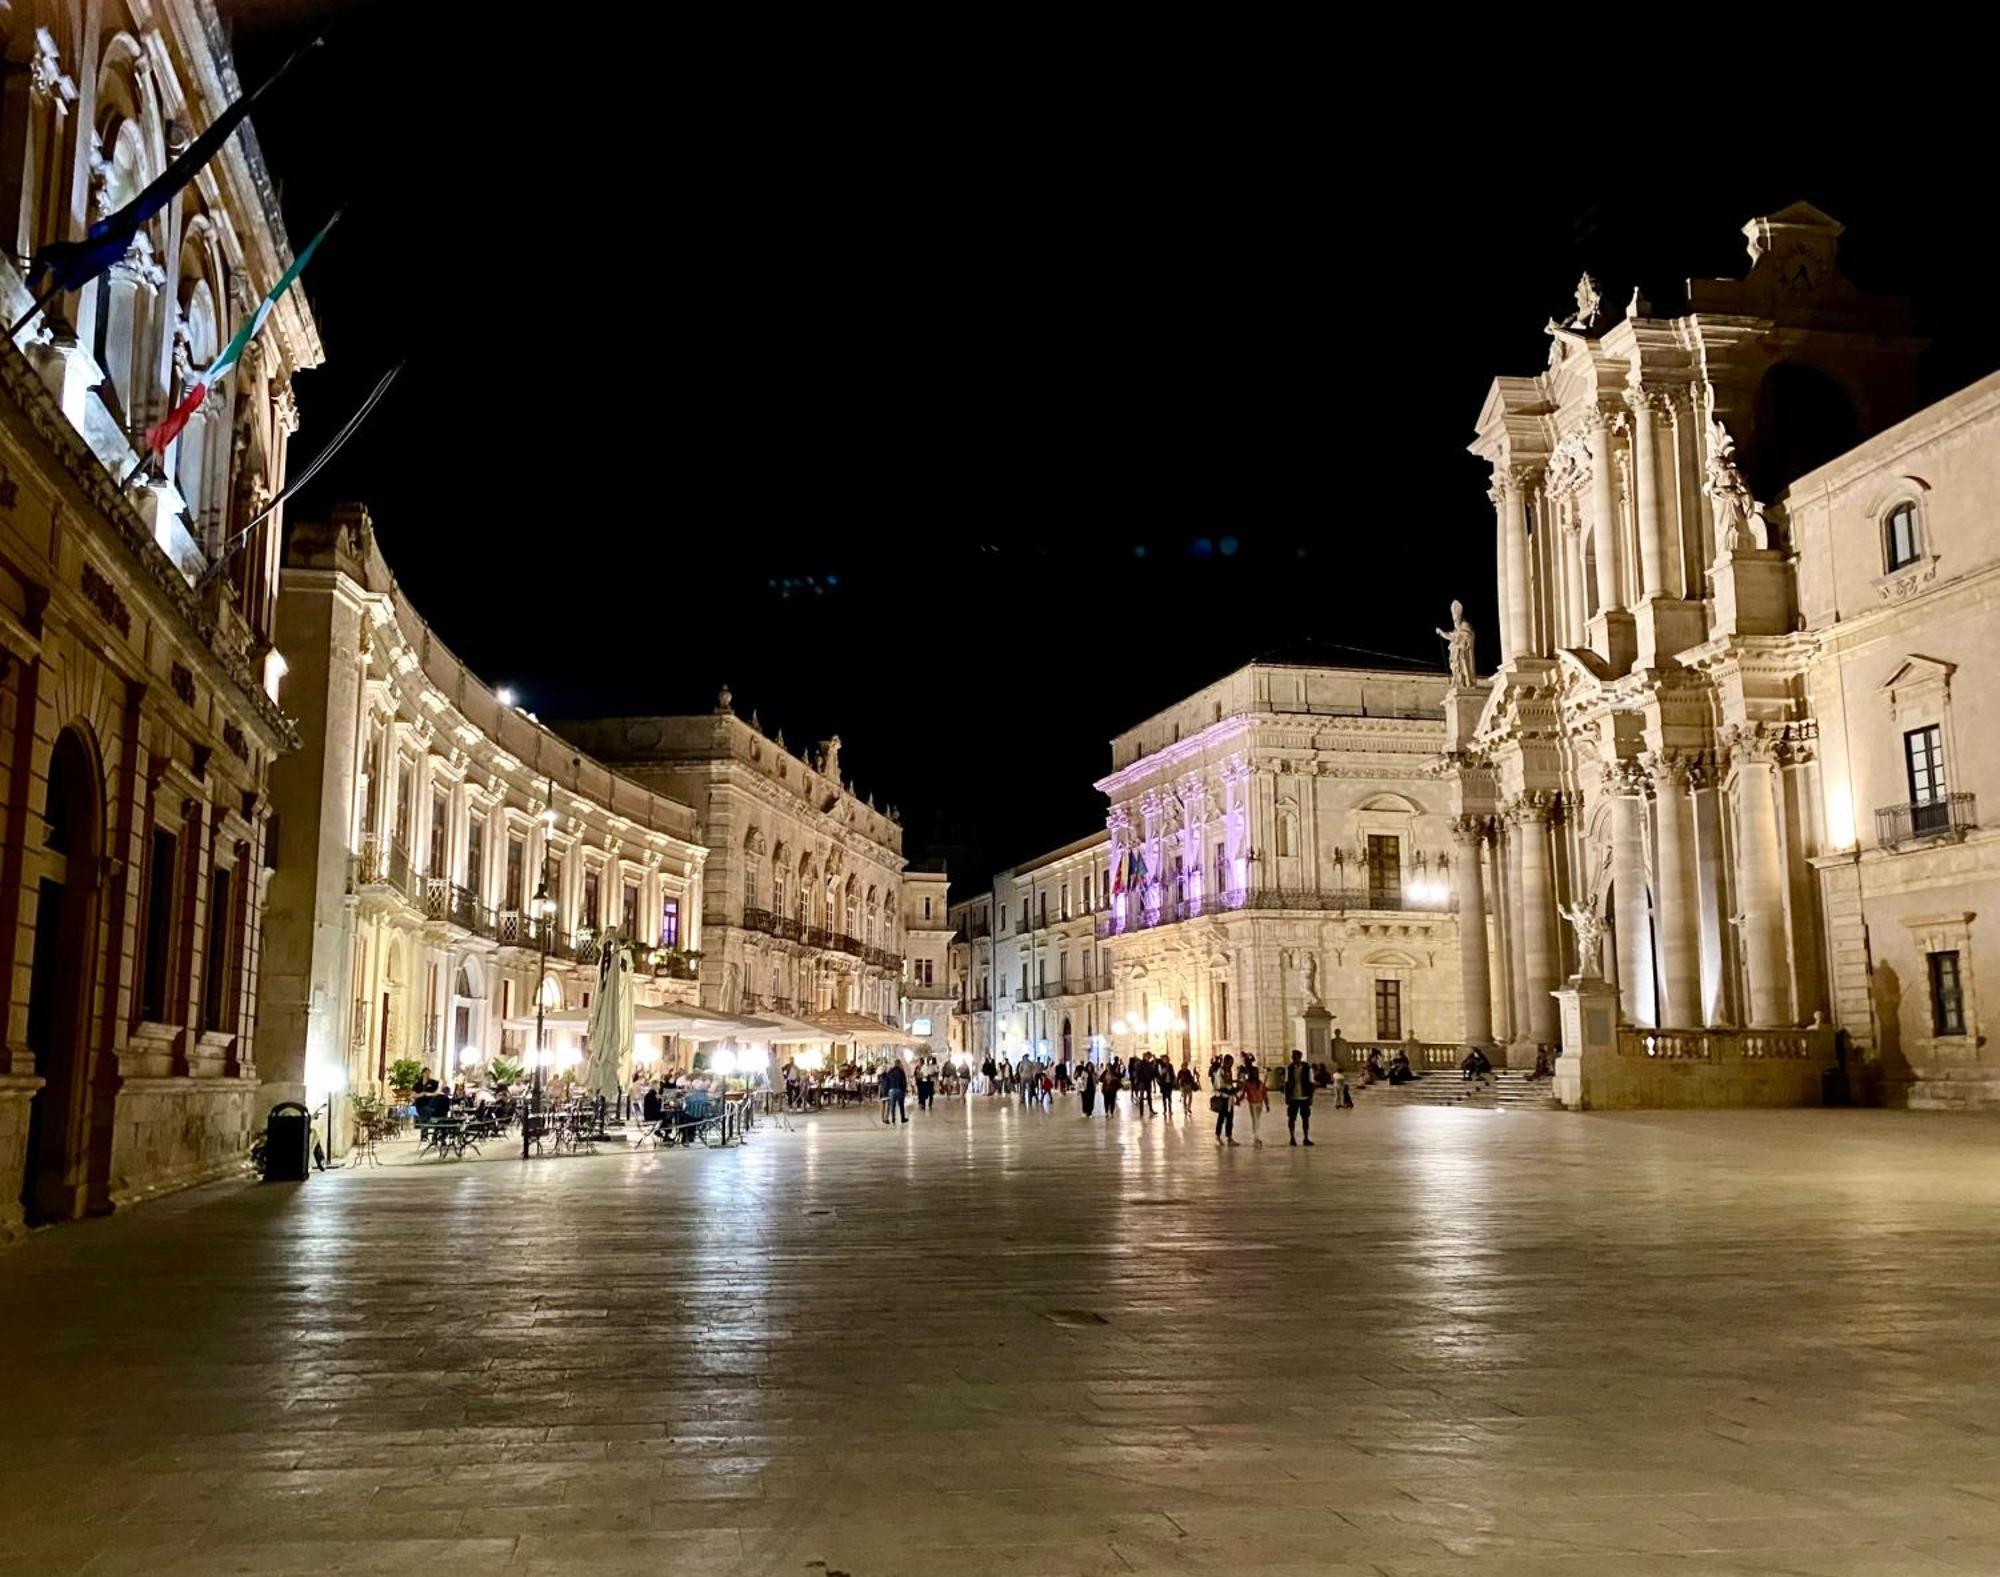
x=504 y=1071
x=404 y=1073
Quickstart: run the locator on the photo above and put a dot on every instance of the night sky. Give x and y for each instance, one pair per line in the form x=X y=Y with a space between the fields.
x=975 y=421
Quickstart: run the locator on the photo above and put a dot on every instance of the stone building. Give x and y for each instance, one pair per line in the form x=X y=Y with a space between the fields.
x=419 y=825
x=1280 y=846
x=138 y=693
x=928 y=996
x=1730 y=636
x=971 y=955
x=1052 y=975
x=802 y=891
x=1898 y=562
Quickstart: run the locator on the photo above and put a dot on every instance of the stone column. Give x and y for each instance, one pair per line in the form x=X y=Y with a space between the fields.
x=1676 y=905
x=1645 y=404
x=1540 y=951
x=1578 y=616
x=1475 y=978
x=1515 y=636
x=1760 y=875
x=1628 y=887
x=1517 y=953
x=1604 y=514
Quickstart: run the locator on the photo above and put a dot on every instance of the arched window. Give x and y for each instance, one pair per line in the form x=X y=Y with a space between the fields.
x=1066 y=1038
x=1899 y=536
x=1288 y=833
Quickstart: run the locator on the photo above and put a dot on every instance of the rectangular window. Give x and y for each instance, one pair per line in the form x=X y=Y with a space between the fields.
x=590 y=909
x=1923 y=755
x=629 y=922
x=1024 y=914
x=161 y=881
x=475 y=857
x=440 y=825
x=1388 y=1010
x=927 y=908
x=1947 y=995
x=750 y=886
x=1065 y=900
x=1385 y=871
x=670 y=922
x=403 y=805
x=1222 y=1010
x=1221 y=865
x=1024 y=977
x=517 y=860
x=218 y=963
x=1043 y=907
x=1902 y=532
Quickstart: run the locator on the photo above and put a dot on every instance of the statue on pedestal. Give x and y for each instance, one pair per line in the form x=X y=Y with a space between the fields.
x=1590 y=928
x=1739 y=518
x=1458 y=647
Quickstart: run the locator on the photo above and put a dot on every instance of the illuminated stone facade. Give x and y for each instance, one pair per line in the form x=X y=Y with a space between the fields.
x=418 y=823
x=928 y=994
x=803 y=887
x=1052 y=974
x=138 y=695
x=971 y=955
x=1725 y=775
x=1281 y=847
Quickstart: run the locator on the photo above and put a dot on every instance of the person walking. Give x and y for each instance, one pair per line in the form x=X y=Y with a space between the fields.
x=1223 y=1101
x=1256 y=1100
x=1111 y=1082
x=926 y=1083
x=895 y=1093
x=1299 y=1097
x=1086 y=1084
x=1187 y=1083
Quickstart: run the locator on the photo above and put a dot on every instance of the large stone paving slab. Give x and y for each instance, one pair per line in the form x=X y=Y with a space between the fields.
x=1440 y=1342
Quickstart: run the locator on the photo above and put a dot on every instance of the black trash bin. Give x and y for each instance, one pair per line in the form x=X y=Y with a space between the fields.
x=287 y=1143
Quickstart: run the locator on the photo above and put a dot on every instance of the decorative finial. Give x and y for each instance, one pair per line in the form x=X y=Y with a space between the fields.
x=724 y=701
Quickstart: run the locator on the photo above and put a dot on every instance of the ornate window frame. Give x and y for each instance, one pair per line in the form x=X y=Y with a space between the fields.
x=1944 y=933
x=1899 y=582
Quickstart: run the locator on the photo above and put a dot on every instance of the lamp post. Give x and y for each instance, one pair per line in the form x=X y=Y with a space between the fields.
x=543 y=908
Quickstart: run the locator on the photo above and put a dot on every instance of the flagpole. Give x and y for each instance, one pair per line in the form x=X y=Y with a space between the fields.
x=40 y=301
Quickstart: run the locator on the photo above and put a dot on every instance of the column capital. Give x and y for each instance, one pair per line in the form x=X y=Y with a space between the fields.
x=1471 y=830
x=1669 y=770
x=1647 y=400
x=1780 y=744
x=1626 y=777
x=1531 y=807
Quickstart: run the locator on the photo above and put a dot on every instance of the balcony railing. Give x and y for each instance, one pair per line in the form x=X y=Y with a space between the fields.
x=1333 y=900
x=455 y=905
x=978 y=929
x=1072 y=986
x=384 y=862
x=1951 y=817
x=930 y=991
x=979 y=1004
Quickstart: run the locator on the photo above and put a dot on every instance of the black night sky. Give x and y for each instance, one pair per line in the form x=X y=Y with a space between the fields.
x=975 y=421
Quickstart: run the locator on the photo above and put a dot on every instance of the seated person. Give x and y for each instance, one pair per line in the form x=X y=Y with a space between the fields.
x=650 y=1105
x=1399 y=1070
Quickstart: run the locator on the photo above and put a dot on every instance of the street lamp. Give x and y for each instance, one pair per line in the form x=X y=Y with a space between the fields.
x=543 y=909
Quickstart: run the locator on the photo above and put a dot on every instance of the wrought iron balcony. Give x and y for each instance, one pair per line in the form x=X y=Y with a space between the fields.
x=1951 y=817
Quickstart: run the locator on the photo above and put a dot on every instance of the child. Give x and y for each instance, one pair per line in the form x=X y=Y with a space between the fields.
x=1256 y=1097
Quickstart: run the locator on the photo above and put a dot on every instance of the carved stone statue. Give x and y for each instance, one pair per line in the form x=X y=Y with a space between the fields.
x=1590 y=928
x=1312 y=980
x=1739 y=518
x=1588 y=301
x=724 y=700
x=1458 y=647
x=830 y=757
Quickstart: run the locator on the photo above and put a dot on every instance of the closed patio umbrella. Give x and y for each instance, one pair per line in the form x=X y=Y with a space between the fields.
x=609 y=1066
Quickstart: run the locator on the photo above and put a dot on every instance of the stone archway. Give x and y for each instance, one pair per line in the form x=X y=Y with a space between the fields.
x=68 y=1167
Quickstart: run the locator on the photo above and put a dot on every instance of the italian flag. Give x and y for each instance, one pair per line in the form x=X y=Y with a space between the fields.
x=157 y=438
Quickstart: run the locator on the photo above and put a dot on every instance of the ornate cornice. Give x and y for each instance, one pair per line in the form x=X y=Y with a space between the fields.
x=21 y=383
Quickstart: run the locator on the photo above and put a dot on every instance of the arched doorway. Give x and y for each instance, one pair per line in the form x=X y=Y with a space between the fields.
x=468 y=998
x=1067 y=1046
x=69 y=1123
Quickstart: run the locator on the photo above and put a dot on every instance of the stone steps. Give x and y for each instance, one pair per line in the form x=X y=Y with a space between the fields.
x=1506 y=1087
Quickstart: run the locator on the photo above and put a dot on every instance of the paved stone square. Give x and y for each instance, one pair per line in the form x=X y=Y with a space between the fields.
x=1440 y=1342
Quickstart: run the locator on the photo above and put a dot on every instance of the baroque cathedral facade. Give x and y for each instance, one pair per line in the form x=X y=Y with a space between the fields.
x=1722 y=780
